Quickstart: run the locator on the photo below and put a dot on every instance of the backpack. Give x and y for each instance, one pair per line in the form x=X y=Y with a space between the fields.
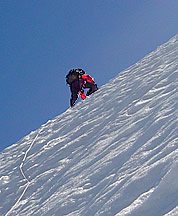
x=74 y=75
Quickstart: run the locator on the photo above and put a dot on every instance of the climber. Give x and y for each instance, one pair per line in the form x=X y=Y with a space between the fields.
x=78 y=81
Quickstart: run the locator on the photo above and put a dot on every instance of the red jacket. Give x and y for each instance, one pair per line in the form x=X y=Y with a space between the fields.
x=87 y=78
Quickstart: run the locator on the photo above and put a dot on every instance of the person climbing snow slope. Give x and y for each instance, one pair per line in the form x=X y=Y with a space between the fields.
x=78 y=81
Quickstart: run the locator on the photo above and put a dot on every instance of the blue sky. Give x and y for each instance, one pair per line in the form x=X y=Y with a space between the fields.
x=42 y=40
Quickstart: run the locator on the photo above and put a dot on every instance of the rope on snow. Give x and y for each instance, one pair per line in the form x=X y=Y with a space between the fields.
x=23 y=174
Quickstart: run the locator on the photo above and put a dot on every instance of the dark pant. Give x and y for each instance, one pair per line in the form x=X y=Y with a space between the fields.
x=75 y=88
x=92 y=88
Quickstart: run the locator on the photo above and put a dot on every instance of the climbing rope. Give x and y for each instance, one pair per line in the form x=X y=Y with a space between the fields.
x=23 y=174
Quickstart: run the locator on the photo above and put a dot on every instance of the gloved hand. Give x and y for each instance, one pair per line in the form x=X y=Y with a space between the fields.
x=82 y=94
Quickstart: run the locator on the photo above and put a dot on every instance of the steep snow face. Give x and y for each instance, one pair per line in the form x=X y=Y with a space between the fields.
x=113 y=154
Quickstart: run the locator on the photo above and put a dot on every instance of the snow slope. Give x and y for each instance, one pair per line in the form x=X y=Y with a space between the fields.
x=113 y=154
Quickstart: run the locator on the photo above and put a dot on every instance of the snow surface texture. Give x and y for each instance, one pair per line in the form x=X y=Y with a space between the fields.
x=113 y=154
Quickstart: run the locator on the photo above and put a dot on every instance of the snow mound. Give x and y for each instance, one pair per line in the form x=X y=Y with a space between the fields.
x=113 y=154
